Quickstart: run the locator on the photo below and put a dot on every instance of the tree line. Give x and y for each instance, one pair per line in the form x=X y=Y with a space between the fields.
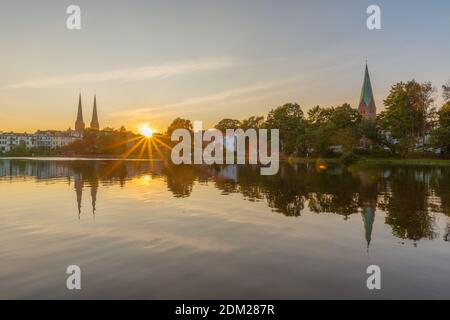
x=409 y=125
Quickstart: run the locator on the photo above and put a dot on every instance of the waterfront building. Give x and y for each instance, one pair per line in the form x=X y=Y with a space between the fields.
x=9 y=140
x=49 y=138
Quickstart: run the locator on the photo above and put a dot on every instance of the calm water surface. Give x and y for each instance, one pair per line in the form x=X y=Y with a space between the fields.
x=149 y=230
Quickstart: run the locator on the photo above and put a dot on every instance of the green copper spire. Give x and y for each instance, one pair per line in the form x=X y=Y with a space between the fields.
x=368 y=216
x=366 y=91
x=367 y=106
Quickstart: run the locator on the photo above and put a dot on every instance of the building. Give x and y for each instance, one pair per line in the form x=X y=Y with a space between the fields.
x=9 y=140
x=54 y=139
x=367 y=107
x=49 y=138
x=94 y=122
x=44 y=139
x=79 y=123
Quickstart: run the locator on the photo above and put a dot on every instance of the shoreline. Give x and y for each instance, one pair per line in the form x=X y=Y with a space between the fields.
x=362 y=161
x=379 y=161
x=81 y=158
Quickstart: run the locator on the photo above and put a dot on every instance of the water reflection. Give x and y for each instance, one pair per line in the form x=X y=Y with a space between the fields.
x=409 y=196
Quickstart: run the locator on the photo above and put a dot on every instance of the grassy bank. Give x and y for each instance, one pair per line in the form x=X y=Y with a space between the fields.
x=409 y=162
x=378 y=161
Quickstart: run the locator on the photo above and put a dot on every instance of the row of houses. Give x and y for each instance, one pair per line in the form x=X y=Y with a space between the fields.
x=49 y=138
x=46 y=139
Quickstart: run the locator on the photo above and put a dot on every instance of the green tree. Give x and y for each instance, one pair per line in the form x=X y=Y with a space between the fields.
x=440 y=137
x=446 y=91
x=179 y=123
x=319 y=116
x=407 y=115
x=225 y=124
x=333 y=126
x=289 y=119
x=254 y=122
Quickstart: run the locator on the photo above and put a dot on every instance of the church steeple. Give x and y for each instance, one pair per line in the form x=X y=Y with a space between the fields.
x=367 y=107
x=79 y=191
x=94 y=122
x=368 y=216
x=79 y=124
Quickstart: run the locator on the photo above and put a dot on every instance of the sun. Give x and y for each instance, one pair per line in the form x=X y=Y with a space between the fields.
x=146 y=131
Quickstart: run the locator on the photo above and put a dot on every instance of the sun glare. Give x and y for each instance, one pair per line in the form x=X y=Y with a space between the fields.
x=146 y=131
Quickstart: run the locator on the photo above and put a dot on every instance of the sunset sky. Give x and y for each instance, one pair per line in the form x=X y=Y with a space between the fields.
x=151 y=61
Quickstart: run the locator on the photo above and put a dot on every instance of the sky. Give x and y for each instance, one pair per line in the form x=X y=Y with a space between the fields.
x=153 y=61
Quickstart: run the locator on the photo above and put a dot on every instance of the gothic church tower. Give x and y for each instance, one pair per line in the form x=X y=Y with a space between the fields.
x=367 y=107
x=94 y=122
x=79 y=124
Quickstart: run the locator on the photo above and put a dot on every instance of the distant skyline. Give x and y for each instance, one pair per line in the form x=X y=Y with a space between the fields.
x=152 y=61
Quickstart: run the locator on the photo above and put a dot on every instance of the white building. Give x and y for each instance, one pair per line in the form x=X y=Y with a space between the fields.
x=54 y=139
x=8 y=140
x=47 y=139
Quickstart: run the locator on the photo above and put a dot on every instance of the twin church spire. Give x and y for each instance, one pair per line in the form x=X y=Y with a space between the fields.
x=79 y=124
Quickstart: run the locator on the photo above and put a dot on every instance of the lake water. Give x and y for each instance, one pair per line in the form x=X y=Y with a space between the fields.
x=150 y=230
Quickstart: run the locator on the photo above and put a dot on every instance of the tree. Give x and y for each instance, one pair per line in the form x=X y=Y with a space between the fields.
x=319 y=116
x=289 y=119
x=253 y=122
x=407 y=115
x=446 y=91
x=333 y=126
x=179 y=123
x=225 y=124
x=440 y=137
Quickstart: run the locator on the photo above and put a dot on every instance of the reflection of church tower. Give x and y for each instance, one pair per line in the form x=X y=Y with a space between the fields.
x=79 y=184
x=94 y=188
x=79 y=190
x=79 y=124
x=94 y=122
x=368 y=216
x=367 y=107
x=368 y=193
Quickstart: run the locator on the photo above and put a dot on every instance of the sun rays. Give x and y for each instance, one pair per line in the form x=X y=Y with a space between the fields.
x=146 y=146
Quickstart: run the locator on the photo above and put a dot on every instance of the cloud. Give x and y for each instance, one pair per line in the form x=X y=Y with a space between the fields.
x=130 y=74
x=201 y=100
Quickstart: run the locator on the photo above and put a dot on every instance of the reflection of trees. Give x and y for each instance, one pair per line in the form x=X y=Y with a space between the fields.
x=408 y=195
x=441 y=186
x=333 y=191
x=180 y=179
x=447 y=233
x=284 y=192
x=406 y=203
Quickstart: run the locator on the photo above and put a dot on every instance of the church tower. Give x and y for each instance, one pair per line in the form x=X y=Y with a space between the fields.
x=367 y=107
x=94 y=122
x=79 y=124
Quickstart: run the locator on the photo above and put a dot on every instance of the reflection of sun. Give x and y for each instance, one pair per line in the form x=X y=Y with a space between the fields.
x=145 y=130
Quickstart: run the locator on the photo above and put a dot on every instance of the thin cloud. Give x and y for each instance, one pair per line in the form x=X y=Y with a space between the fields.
x=201 y=100
x=130 y=74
